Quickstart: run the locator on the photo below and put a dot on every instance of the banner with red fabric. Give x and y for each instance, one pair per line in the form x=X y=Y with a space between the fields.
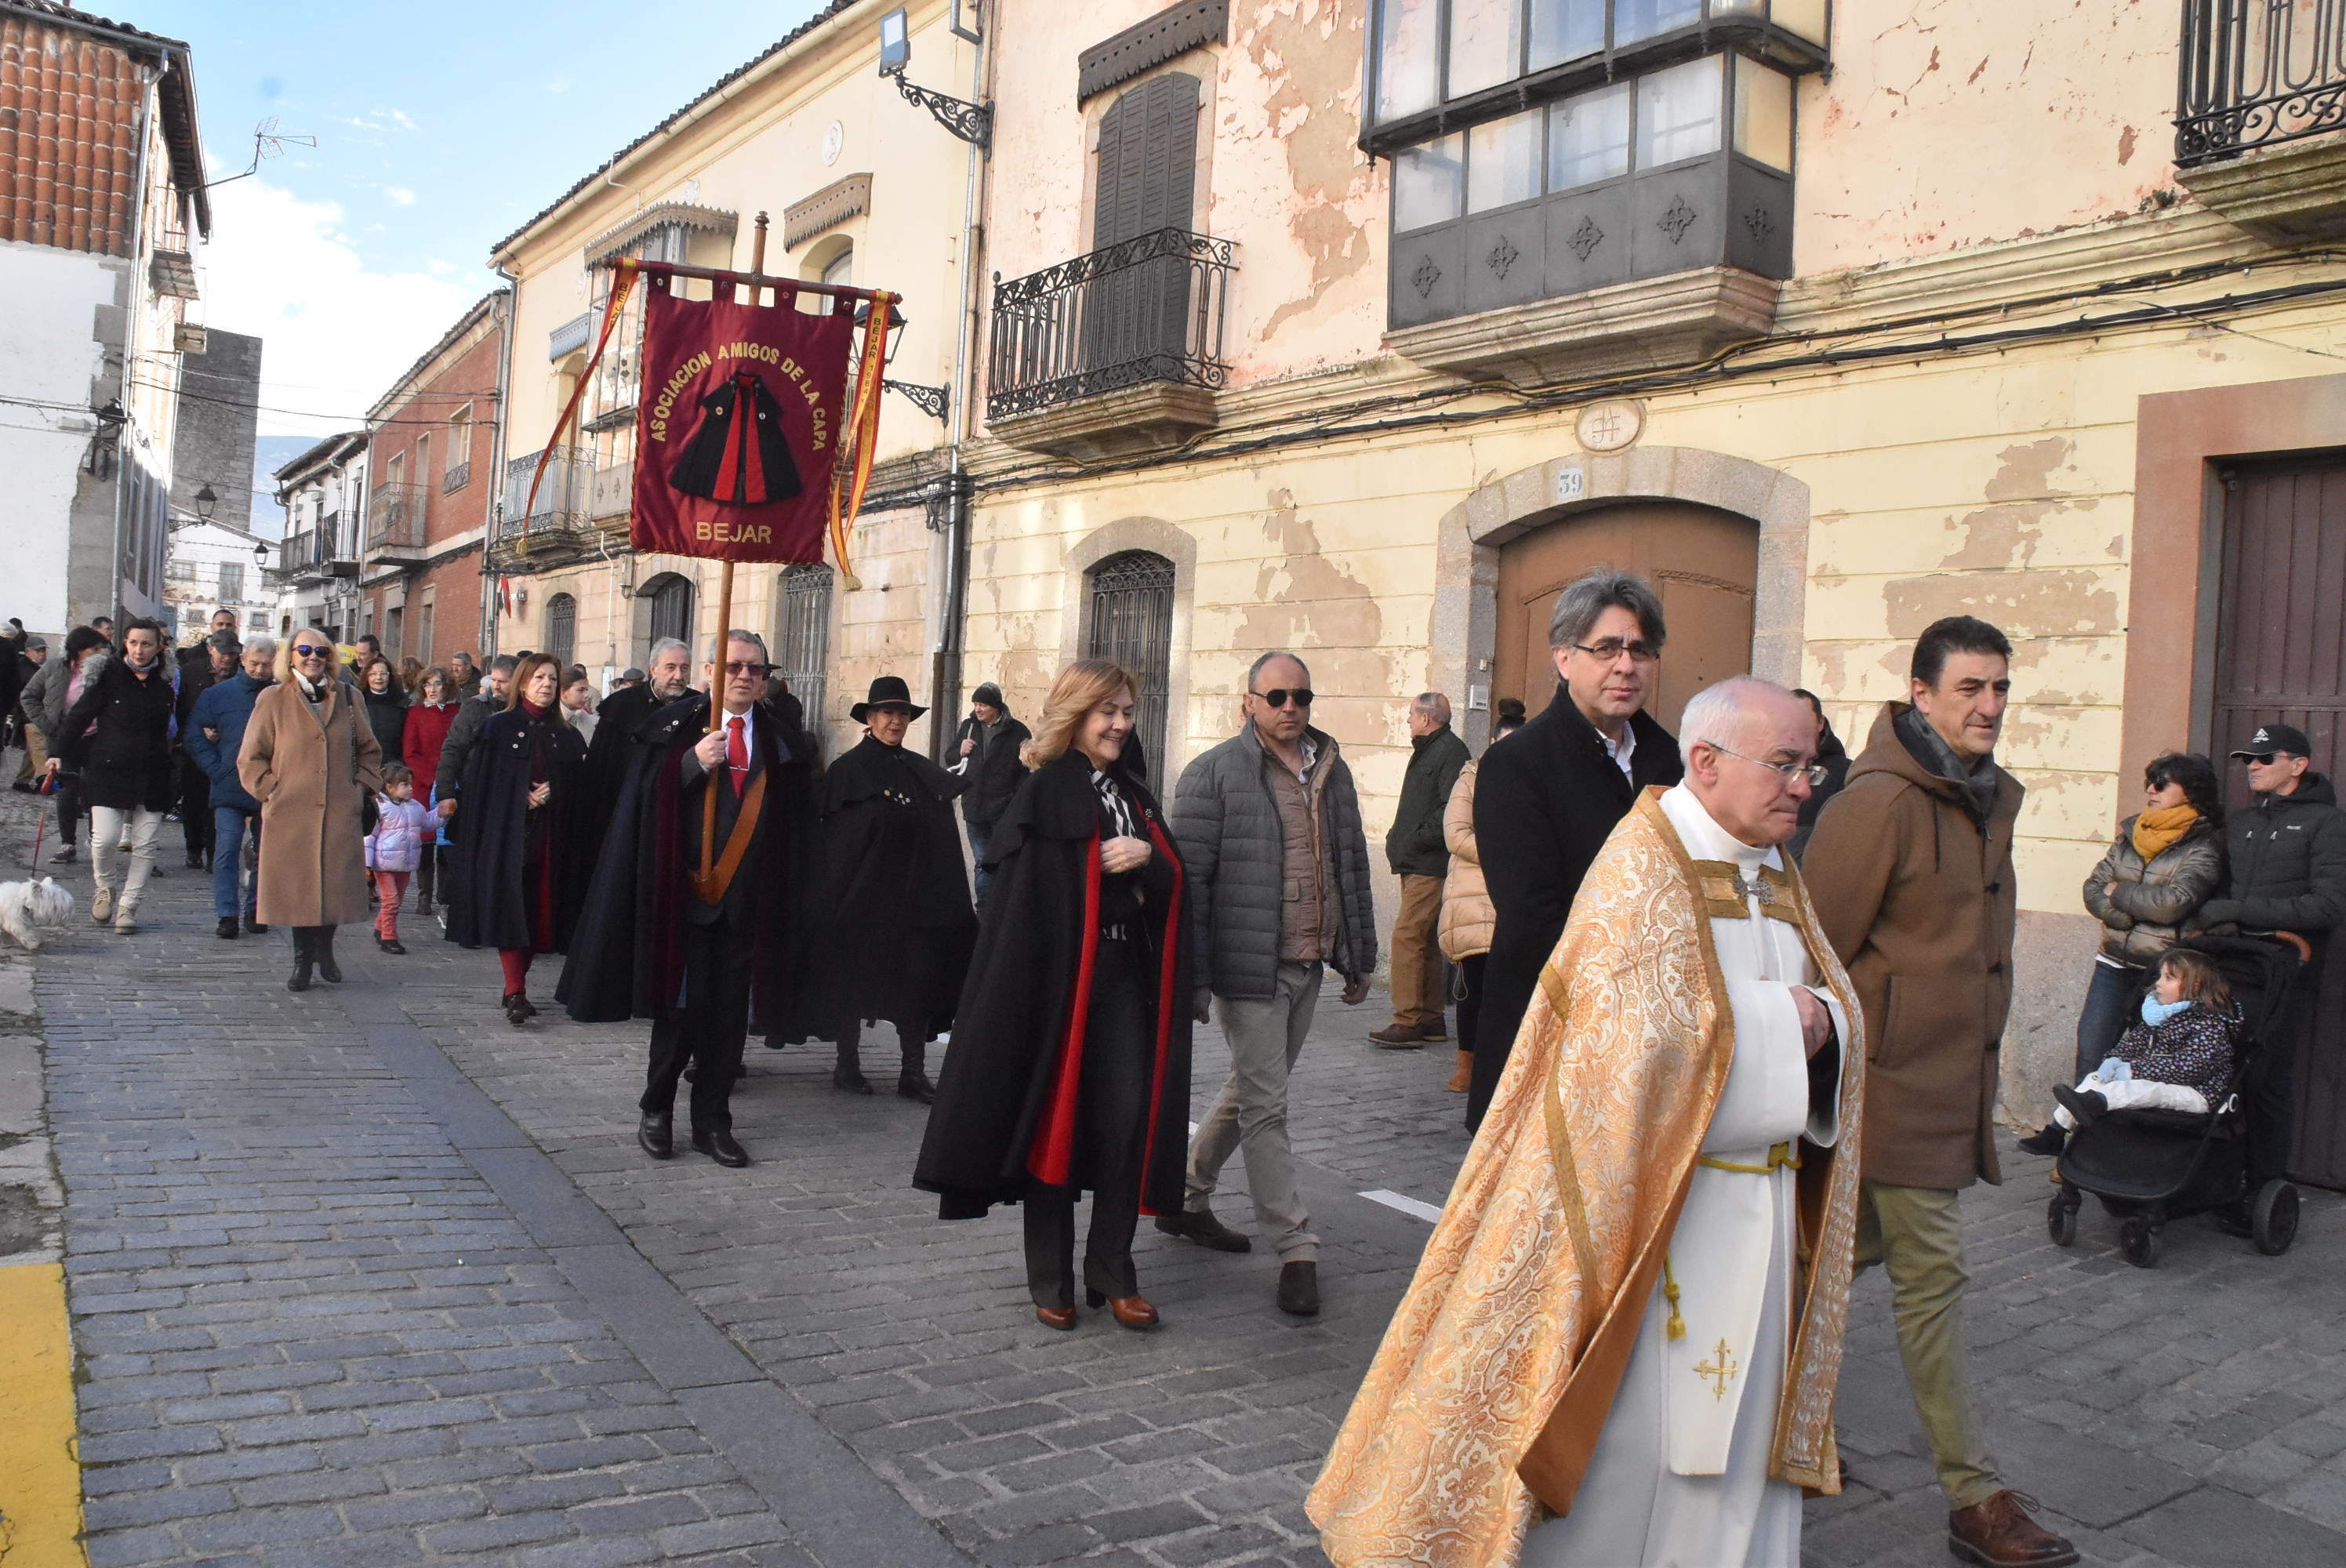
x=738 y=427
x=746 y=448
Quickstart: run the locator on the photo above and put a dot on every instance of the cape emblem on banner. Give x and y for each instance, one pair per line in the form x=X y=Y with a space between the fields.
x=745 y=447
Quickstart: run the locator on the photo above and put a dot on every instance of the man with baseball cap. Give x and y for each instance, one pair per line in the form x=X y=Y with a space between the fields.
x=2287 y=872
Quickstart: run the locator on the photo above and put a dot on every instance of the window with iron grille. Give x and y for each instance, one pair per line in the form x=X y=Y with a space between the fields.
x=1131 y=622
x=561 y=629
x=802 y=646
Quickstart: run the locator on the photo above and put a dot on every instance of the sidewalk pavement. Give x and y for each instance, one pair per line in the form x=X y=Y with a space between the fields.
x=369 y=1275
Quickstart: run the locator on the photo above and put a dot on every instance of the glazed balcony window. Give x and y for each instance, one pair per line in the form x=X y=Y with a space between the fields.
x=1544 y=147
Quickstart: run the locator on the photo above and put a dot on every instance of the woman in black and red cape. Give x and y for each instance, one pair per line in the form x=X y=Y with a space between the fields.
x=1070 y=1060
x=522 y=858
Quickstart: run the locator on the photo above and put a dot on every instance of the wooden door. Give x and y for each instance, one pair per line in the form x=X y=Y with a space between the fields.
x=1703 y=562
x=2280 y=657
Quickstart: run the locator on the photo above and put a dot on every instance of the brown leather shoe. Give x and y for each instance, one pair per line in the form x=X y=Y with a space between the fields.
x=1398 y=1037
x=1462 y=1079
x=1999 y=1533
x=1055 y=1316
x=1132 y=1311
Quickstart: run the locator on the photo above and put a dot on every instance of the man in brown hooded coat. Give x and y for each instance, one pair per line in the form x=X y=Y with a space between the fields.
x=1911 y=871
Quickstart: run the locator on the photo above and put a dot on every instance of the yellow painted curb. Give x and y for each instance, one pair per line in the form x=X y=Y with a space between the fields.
x=40 y=1477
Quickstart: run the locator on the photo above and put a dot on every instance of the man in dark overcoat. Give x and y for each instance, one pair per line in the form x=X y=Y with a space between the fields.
x=897 y=925
x=620 y=720
x=693 y=953
x=1545 y=801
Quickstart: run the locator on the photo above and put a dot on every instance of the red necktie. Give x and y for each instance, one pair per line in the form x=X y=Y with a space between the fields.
x=737 y=754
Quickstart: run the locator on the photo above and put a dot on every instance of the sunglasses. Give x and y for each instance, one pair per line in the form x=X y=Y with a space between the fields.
x=747 y=668
x=1277 y=695
x=310 y=650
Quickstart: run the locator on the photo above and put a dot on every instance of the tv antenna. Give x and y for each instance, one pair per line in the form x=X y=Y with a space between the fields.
x=267 y=142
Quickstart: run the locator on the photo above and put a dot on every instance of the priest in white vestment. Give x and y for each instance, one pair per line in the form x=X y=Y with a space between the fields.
x=1620 y=1349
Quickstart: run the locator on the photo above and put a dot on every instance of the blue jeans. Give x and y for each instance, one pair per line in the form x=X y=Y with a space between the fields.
x=979 y=832
x=229 y=824
x=2113 y=998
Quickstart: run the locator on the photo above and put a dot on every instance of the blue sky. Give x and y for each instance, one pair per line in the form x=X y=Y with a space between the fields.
x=440 y=128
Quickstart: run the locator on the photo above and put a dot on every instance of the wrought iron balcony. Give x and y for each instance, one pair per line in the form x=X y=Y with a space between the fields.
x=2256 y=73
x=1147 y=311
x=458 y=475
x=395 y=522
x=560 y=510
x=315 y=552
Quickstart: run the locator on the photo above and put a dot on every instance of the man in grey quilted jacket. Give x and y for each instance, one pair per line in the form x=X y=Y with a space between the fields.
x=1269 y=827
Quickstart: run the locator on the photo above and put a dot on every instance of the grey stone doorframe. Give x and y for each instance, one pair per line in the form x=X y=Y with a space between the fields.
x=1466 y=560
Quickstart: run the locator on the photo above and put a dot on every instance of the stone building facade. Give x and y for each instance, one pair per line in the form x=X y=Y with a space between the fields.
x=218 y=425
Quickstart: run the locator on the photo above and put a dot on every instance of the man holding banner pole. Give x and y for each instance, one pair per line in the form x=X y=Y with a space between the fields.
x=747 y=449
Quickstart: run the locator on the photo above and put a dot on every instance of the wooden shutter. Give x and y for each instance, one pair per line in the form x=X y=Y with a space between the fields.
x=1148 y=160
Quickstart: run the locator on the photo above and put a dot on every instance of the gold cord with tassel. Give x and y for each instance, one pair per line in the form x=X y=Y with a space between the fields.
x=1675 y=1327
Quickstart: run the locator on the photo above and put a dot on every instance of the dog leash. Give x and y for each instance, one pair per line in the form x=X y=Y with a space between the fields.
x=40 y=828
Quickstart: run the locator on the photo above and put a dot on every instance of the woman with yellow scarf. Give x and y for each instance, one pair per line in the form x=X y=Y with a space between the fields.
x=2167 y=860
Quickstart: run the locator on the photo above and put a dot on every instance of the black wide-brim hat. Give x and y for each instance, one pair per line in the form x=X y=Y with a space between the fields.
x=887 y=691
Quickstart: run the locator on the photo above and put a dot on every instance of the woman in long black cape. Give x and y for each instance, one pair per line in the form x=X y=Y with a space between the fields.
x=518 y=872
x=1070 y=1060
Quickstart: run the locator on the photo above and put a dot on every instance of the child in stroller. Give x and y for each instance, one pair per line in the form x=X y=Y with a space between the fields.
x=2178 y=1058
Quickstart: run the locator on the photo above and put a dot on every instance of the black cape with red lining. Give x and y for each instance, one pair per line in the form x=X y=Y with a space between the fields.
x=897 y=927
x=736 y=463
x=489 y=893
x=627 y=955
x=1019 y=1013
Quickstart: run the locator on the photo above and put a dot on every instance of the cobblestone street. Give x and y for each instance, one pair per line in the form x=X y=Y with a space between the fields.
x=366 y=1275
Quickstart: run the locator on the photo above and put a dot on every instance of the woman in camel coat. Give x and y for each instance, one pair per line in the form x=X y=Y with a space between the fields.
x=311 y=760
x=1467 y=915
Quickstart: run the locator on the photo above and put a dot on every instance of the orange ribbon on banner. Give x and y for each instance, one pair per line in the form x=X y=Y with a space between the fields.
x=866 y=424
x=628 y=271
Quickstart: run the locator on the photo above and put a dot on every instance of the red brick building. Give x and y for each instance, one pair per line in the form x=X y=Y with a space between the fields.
x=432 y=452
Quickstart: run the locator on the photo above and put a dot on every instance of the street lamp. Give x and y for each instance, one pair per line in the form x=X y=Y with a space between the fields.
x=930 y=401
x=972 y=123
x=207 y=502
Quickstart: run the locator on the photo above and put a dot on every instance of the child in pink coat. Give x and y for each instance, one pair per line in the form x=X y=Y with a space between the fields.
x=395 y=848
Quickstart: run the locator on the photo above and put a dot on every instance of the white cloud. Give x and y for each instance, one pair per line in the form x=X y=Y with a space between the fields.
x=558 y=85
x=399 y=195
x=440 y=269
x=335 y=332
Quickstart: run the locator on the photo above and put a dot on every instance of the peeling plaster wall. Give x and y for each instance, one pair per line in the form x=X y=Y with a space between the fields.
x=1948 y=122
x=1284 y=178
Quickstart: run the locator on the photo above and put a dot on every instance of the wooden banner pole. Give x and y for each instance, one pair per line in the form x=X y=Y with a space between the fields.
x=725 y=575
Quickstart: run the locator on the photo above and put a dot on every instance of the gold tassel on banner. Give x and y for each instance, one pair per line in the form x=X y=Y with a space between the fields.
x=865 y=423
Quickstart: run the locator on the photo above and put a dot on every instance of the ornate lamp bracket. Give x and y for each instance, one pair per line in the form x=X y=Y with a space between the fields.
x=972 y=123
x=930 y=401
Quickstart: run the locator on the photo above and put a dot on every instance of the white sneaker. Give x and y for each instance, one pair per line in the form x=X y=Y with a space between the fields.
x=126 y=923
x=101 y=906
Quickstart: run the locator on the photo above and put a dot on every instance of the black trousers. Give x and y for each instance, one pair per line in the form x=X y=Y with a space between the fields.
x=195 y=806
x=1111 y=1139
x=708 y=1031
x=1470 y=980
x=2272 y=1113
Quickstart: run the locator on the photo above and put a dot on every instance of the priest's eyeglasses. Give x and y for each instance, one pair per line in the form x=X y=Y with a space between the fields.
x=1816 y=773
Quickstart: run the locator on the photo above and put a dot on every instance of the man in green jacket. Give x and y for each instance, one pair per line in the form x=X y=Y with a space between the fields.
x=1420 y=857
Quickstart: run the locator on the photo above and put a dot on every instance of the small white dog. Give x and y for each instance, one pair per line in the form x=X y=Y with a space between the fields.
x=27 y=909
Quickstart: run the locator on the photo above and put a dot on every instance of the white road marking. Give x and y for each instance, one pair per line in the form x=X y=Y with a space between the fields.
x=1413 y=1208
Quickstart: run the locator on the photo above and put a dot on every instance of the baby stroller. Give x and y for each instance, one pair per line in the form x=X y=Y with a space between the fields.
x=2148 y=1167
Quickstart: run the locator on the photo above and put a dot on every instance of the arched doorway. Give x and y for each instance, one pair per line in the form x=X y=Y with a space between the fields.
x=1130 y=620
x=671 y=607
x=1704 y=562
